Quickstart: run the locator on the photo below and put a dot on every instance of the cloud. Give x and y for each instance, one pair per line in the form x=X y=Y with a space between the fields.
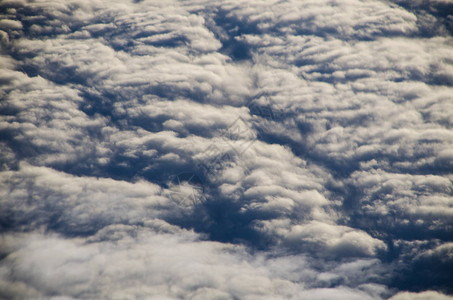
x=172 y=264
x=56 y=201
x=323 y=238
x=345 y=19
x=226 y=150
x=404 y=202
x=420 y=296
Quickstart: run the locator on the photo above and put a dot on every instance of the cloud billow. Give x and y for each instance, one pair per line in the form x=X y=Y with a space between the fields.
x=228 y=150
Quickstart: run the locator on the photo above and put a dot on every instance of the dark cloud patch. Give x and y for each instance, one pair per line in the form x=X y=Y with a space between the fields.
x=432 y=266
x=433 y=17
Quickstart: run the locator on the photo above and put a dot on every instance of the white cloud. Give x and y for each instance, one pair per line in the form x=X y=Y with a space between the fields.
x=323 y=238
x=130 y=261
x=340 y=180
x=431 y=295
x=45 y=198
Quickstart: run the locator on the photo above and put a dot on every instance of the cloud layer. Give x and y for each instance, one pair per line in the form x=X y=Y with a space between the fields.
x=230 y=150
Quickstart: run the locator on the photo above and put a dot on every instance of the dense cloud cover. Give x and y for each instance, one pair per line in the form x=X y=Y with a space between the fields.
x=226 y=149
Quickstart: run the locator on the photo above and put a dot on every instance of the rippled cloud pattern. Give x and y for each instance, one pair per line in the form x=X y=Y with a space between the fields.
x=226 y=149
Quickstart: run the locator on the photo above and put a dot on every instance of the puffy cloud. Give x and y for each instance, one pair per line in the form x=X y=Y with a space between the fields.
x=420 y=296
x=42 y=197
x=343 y=18
x=402 y=203
x=225 y=150
x=154 y=261
x=323 y=238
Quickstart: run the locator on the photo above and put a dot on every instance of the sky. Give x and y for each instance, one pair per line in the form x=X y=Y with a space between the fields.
x=226 y=149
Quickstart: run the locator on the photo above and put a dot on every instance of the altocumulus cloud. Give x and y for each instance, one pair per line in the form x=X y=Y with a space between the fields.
x=228 y=150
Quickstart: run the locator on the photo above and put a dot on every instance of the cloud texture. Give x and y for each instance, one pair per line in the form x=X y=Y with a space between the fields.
x=228 y=150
